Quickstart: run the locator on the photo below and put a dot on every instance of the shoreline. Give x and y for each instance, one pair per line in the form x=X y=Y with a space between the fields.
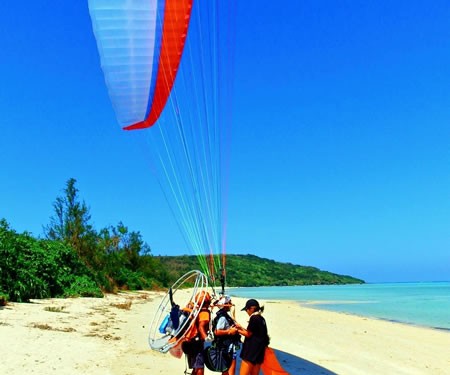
x=109 y=336
x=428 y=307
x=312 y=306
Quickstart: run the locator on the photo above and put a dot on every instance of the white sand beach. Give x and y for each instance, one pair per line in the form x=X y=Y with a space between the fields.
x=109 y=336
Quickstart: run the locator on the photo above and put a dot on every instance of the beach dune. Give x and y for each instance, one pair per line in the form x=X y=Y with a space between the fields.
x=109 y=336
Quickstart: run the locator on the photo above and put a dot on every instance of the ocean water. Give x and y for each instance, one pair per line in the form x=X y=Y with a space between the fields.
x=425 y=304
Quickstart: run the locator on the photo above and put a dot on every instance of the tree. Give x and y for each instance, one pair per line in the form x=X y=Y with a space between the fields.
x=127 y=258
x=117 y=257
x=71 y=223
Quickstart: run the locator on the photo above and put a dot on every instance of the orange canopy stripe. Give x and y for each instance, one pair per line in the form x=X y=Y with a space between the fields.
x=271 y=366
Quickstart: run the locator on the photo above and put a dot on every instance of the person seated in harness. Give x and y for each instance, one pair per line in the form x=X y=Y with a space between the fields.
x=226 y=335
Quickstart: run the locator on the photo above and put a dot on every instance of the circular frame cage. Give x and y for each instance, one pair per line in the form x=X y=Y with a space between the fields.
x=191 y=290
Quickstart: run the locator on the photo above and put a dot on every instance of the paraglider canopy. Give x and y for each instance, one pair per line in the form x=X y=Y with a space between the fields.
x=140 y=44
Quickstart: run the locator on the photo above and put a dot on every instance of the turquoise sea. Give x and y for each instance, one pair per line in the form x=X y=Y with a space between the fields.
x=425 y=304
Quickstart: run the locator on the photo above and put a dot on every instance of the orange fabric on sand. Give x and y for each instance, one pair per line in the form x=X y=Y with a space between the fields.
x=271 y=366
x=176 y=350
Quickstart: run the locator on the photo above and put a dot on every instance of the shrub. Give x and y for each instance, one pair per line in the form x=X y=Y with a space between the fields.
x=3 y=299
x=83 y=286
x=33 y=268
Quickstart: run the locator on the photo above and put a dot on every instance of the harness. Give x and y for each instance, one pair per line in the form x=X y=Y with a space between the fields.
x=225 y=340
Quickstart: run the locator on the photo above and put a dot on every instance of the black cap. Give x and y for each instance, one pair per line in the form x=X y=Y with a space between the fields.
x=251 y=303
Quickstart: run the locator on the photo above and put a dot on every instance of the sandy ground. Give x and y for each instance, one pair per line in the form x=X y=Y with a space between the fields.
x=109 y=336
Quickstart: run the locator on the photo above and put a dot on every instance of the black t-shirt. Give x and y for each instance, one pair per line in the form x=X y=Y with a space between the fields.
x=255 y=345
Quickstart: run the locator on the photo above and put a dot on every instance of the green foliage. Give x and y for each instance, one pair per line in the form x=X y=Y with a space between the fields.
x=82 y=286
x=34 y=268
x=75 y=259
x=117 y=257
x=250 y=270
x=125 y=259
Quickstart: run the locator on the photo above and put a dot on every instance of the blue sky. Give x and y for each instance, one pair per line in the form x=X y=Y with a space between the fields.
x=340 y=144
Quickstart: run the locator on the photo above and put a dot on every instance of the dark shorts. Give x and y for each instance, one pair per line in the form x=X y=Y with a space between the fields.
x=253 y=354
x=196 y=360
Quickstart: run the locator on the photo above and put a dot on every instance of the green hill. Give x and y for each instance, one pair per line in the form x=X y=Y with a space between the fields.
x=250 y=270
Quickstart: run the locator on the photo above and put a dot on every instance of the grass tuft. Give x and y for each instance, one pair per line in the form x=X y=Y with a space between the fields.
x=58 y=309
x=124 y=305
x=46 y=327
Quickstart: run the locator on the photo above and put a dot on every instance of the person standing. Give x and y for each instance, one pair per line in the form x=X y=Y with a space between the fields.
x=256 y=339
x=226 y=333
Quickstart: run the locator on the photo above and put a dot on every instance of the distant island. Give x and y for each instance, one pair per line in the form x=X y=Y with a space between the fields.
x=251 y=270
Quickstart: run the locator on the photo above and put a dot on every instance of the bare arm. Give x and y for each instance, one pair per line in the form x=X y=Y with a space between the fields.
x=203 y=329
x=223 y=332
x=244 y=332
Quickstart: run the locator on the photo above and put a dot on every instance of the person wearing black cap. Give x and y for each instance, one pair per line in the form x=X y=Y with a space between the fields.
x=256 y=339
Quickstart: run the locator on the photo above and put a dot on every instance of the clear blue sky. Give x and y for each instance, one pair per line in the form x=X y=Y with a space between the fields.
x=340 y=145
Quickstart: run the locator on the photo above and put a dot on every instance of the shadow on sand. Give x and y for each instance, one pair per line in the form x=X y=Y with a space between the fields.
x=297 y=366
